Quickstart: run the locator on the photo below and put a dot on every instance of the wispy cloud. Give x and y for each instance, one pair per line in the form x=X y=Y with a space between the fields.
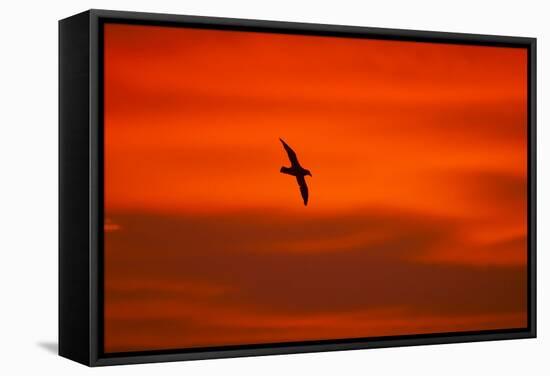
x=175 y=272
x=109 y=225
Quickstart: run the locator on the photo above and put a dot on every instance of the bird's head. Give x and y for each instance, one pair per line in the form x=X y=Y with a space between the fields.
x=308 y=173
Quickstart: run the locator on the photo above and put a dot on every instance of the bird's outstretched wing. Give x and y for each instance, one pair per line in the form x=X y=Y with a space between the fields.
x=291 y=154
x=303 y=187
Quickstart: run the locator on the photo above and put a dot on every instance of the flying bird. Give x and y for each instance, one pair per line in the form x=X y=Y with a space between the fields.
x=296 y=170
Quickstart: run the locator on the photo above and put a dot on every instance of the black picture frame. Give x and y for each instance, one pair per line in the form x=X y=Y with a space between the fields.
x=81 y=185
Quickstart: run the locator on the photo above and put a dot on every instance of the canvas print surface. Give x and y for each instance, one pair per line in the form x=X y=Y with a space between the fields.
x=401 y=207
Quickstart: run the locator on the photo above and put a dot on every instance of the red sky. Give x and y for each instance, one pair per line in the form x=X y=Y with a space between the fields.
x=417 y=215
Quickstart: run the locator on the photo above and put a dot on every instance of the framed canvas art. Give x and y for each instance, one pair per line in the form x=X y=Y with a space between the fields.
x=236 y=187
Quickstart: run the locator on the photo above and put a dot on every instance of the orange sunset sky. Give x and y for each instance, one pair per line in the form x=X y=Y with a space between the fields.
x=417 y=213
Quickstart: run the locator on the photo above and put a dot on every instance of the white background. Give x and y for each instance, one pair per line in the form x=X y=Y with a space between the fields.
x=28 y=187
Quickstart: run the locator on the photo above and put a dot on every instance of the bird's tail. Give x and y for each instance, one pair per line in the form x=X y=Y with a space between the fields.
x=286 y=170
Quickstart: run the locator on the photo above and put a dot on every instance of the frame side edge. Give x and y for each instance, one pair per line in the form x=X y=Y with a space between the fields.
x=73 y=257
x=532 y=142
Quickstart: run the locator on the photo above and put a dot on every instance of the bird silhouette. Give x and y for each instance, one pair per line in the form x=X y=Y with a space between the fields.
x=296 y=170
